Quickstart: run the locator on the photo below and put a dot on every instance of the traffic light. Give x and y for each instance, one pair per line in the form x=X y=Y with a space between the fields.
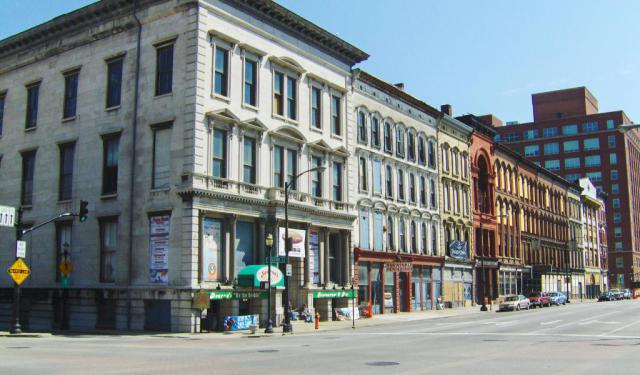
x=82 y=214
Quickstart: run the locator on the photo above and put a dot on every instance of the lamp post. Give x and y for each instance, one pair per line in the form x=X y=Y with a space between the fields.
x=269 y=243
x=286 y=327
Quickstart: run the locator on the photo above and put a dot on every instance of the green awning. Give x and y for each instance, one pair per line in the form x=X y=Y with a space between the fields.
x=252 y=276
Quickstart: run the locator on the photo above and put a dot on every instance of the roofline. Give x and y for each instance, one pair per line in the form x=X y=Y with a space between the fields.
x=560 y=119
x=478 y=125
x=459 y=125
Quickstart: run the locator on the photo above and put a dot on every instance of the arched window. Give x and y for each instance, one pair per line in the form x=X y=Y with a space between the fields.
x=434 y=240
x=399 y=141
x=375 y=132
x=389 y=181
x=390 y=232
x=388 y=138
x=412 y=188
x=414 y=238
x=432 y=192
x=401 y=235
x=424 y=238
x=411 y=146
x=362 y=127
x=422 y=154
x=400 y=184
x=432 y=155
x=483 y=197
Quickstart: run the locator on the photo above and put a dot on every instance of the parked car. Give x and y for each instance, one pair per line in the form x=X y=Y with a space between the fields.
x=558 y=298
x=626 y=293
x=606 y=296
x=539 y=299
x=617 y=294
x=517 y=302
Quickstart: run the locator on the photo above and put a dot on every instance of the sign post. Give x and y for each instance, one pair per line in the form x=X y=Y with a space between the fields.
x=15 y=327
x=21 y=249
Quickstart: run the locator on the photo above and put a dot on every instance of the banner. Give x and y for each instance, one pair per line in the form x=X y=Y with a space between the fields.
x=297 y=242
x=314 y=256
x=159 y=249
x=458 y=249
x=211 y=249
x=239 y=322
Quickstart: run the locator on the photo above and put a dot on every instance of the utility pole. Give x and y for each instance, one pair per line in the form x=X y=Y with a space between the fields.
x=16 y=328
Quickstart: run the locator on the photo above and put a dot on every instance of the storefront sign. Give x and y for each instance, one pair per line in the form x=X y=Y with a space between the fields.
x=297 y=242
x=211 y=249
x=334 y=294
x=458 y=249
x=255 y=275
x=159 y=249
x=487 y=263
x=314 y=255
x=217 y=295
x=399 y=267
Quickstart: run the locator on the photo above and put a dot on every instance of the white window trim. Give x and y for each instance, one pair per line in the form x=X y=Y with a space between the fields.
x=317 y=85
x=230 y=52
x=287 y=73
x=246 y=55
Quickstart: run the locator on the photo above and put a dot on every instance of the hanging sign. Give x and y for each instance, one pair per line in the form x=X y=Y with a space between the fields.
x=297 y=242
x=458 y=249
x=399 y=267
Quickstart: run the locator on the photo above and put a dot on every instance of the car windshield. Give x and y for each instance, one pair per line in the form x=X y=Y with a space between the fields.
x=553 y=294
x=534 y=294
x=510 y=299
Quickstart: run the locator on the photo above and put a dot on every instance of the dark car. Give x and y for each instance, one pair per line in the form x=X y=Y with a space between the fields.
x=606 y=296
x=539 y=299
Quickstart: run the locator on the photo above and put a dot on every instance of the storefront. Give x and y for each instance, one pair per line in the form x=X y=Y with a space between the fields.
x=511 y=280
x=458 y=275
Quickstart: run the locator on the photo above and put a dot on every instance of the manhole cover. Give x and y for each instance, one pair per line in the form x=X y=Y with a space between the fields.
x=268 y=351
x=382 y=363
x=18 y=347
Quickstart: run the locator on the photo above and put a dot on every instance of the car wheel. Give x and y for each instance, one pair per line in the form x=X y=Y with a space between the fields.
x=518 y=307
x=528 y=306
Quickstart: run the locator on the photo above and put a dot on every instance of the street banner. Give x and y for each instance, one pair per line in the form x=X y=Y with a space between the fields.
x=211 y=249
x=159 y=249
x=314 y=255
x=458 y=249
x=297 y=242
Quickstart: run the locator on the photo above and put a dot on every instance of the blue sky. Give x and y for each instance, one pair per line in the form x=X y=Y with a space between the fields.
x=480 y=56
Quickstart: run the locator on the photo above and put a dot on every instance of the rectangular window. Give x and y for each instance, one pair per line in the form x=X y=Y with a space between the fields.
x=615 y=189
x=375 y=132
x=316 y=104
x=411 y=146
x=219 y=153
x=400 y=185
x=316 y=177
x=28 y=170
x=389 y=181
x=108 y=243
x=611 y=141
x=362 y=169
x=614 y=174
x=552 y=165
x=161 y=158
x=618 y=246
x=572 y=177
x=33 y=93
x=114 y=82
x=571 y=146
x=590 y=127
x=399 y=141
x=66 y=171
x=591 y=144
x=530 y=134
x=70 y=94
x=613 y=158
x=111 y=156
x=617 y=231
x=551 y=148
x=592 y=161
x=571 y=163
x=532 y=150
x=616 y=203
x=550 y=132
x=250 y=82
x=595 y=176
x=423 y=191
x=619 y=262
x=291 y=98
x=221 y=73
x=249 y=161
x=164 y=69
x=292 y=169
x=336 y=123
x=412 y=188
x=610 y=124
x=278 y=93
x=278 y=166
x=362 y=127
x=511 y=137
x=337 y=182
x=570 y=129
x=432 y=192
x=387 y=138
x=617 y=218
x=2 y=98
x=377 y=176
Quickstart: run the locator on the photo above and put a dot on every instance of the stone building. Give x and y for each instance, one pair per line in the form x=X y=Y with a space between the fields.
x=592 y=227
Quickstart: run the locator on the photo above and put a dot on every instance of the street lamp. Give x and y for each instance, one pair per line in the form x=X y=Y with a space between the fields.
x=286 y=327
x=269 y=243
x=625 y=128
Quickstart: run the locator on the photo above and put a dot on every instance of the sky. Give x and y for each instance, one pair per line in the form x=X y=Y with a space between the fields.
x=479 y=56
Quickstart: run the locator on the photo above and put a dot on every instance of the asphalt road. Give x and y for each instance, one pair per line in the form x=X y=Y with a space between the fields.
x=593 y=338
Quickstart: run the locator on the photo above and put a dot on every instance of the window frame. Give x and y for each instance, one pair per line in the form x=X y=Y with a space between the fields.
x=224 y=160
x=31 y=178
x=336 y=117
x=63 y=175
x=111 y=90
x=33 y=102
x=103 y=251
x=158 y=76
x=313 y=88
x=155 y=129
x=113 y=137
x=253 y=167
x=70 y=94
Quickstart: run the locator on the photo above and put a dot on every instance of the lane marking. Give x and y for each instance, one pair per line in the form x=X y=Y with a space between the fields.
x=517 y=334
x=597 y=322
x=620 y=328
x=580 y=321
x=551 y=322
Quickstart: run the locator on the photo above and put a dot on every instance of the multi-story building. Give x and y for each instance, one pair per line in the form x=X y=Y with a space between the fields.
x=576 y=281
x=592 y=207
x=454 y=167
x=398 y=254
x=570 y=138
x=180 y=122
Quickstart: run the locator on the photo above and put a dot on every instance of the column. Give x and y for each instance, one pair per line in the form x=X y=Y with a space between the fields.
x=307 y=259
x=325 y=253
x=345 y=256
x=230 y=234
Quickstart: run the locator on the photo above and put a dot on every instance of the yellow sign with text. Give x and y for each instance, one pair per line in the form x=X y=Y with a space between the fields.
x=19 y=271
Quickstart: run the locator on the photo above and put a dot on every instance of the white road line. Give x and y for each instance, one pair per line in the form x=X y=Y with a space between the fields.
x=577 y=322
x=519 y=334
x=620 y=328
x=551 y=322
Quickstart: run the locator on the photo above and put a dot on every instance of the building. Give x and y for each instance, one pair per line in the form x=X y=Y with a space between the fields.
x=592 y=207
x=398 y=252
x=571 y=138
x=180 y=122
x=454 y=168
x=576 y=245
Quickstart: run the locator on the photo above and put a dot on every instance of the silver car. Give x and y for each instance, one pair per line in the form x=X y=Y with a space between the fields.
x=516 y=302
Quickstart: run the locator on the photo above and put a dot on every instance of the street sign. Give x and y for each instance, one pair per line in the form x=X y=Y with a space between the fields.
x=21 y=249
x=19 y=271
x=276 y=259
x=289 y=269
x=65 y=267
x=7 y=216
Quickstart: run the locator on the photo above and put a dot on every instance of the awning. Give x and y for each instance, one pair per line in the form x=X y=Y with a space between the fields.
x=253 y=276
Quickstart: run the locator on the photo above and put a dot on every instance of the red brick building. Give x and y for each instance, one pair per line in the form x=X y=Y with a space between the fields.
x=571 y=138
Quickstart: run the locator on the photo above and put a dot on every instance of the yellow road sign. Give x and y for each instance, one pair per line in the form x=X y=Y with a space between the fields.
x=19 y=271
x=65 y=267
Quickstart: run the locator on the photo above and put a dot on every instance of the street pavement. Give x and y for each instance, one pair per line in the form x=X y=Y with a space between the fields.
x=602 y=338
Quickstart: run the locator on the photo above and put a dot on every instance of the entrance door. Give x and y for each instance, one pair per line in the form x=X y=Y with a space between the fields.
x=403 y=292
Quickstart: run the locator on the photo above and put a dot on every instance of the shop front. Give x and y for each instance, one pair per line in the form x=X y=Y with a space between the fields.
x=511 y=280
x=458 y=275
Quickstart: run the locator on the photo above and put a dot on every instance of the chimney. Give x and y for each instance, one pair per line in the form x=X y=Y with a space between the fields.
x=447 y=109
x=399 y=86
x=491 y=120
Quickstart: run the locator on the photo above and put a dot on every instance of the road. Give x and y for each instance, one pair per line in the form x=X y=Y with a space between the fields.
x=590 y=338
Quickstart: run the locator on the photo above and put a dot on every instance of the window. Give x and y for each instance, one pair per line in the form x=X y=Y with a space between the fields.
x=28 y=170
x=617 y=231
x=590 y=127
x=614 y=174
x=316 y=177
x=70 y=94
x=164 y=69
x=412 y=188
x=423 y=191
x=387 y=138
x=552 y=165
x=532 y=150
x=551 y=148
x=610 y=124
x=111 y=156
x=221 y=72
x=401 y=235
x=362 y=127
x=66 y=171
x=375 y=132
x=619 y=262
x=613 y=158
x=249 y=161
x=445 y=158
x=445 y=193
x=530 y=134
x=336 y=127
x=399 y=141
x=549 y=132
x=108 y=242
x=389 y=181
x=292 y=169
x=465 y=166
x=617 y=218
x=611 y=141
x=595 y=177
x=592 y=161
x=432 y=155
x=400 y=185
x=278 y=92
x=571 y=163
x=414 y=237
x=63 y=244
x=434 y=240
x=616 y=203
x=573 y=177
x=432 y=192
x=316 y=107
x=615 y=189
x=454 y=161
x=411 y=146
x=250 y=82
x=114 y=82
x=337 y=182
x=161 y=158
x=511 y=137
x=422 y=152
x=424 y=238
x=291 y=98
x=278 y=166
x=591 y=144
x=377 y=176
x=219 y=153
x=2 y=98
x=571 y=146
x=362 y=180
x=389 y=233
x=33 y=92
x=618 y=246
x=570 y=129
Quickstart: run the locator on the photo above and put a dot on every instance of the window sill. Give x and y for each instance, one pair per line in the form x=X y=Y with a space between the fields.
x=250 y=107
x=29 y=130
x=335 y=136
x=114 y=108
x=314 y=129
x=109 y=196
x=68 y=119
x=163 y=95
x=160 y=190
x=26 y=206
x=65 y=201
x=223 y=98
